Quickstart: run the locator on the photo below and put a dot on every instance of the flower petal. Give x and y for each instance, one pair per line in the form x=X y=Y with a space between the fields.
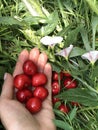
x=48 y=40
x=65 y=52
x=92 y=56
x=69 y=49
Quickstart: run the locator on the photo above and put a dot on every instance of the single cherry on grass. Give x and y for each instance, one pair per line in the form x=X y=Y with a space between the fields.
x=40 y=92
x=69 y=83
x=55 y=100
x=56 y=76
x=66 y=74
x=29 y=67
x=75 y=104
x=22 y=81
x=34 y=105
x=64 y=108
x=55 y=88
x=39 y=79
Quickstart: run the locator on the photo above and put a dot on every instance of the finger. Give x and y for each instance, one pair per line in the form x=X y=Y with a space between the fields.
x=34 y=54
x=48 y=72
x=47 y=104
x=42 y=60
x=7 y=88
x=24 y=55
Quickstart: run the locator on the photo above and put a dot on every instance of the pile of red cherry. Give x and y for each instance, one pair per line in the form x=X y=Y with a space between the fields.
x=30 y=87
x=31 y=90
x=62 y=80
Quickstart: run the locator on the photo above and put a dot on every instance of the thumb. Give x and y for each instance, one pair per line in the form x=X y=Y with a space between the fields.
x=7 y=88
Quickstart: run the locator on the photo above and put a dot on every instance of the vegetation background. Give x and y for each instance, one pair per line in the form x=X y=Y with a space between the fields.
x=24 y=22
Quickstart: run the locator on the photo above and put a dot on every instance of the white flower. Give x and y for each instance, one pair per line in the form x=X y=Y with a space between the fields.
x=48 y=40
x=92 y=56
x=65 y=52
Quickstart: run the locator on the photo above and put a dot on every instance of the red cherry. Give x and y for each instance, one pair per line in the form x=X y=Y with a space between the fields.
x=64 y=108
x=66 y=74
x=29 y=67
x=34 y=105
x=75 y=104
x=39 y=79
x=22 y=81
x=55 y=75
x=55 y=88
x=55 y=99
x=23 y=95
x=69 y=83
x=40 y=92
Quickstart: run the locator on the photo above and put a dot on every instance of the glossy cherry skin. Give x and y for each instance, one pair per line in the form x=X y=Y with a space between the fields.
x=39 y=79
x=66 y=74
x=55 y=100
x=29 y=67
x=64 y=108
x=23 y=95
x=34 y=105
x=75 y=104
x=40 y=92
x=22 y=81
x=56 y=76
x=69 y=83
x=55 y=88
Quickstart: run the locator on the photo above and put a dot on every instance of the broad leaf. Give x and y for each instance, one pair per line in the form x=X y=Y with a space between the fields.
x=72 y=113
x=52 y=23
x=95 y=72
x=56 y=67
x=62 y=124
x=94 y=27
x=72 y=35
x=76 y=51
x=92 y=5
x=85 y=39
x=10 y=21
x=83 y=96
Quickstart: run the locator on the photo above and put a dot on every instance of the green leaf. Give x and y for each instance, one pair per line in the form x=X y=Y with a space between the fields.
x=83 y=96
x=94 y=28
x=62 y=124
x=92 y=5
x=64 y=15
x=73 y=113
x=95 y=72
x=35 y=20
x=65 y=30
x=72 y=35
x=0 y=46
x=52 y=23
x=36 y=7
x=10 y=21
x=59 y=114
x=85 y=39
x=56 y=67
x=77 y=51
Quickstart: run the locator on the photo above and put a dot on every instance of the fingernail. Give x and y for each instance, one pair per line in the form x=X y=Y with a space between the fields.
x=5 y=76
x=23 y=54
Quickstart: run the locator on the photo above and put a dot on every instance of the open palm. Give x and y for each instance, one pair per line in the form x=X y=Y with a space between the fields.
x=13 y=114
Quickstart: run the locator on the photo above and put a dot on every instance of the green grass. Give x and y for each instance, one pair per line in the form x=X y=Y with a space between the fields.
x=77 y=22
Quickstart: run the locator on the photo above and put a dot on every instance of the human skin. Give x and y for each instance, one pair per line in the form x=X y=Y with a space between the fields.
x=13 y=115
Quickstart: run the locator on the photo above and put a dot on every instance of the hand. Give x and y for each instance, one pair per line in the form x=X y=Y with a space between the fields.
x=13 y=114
